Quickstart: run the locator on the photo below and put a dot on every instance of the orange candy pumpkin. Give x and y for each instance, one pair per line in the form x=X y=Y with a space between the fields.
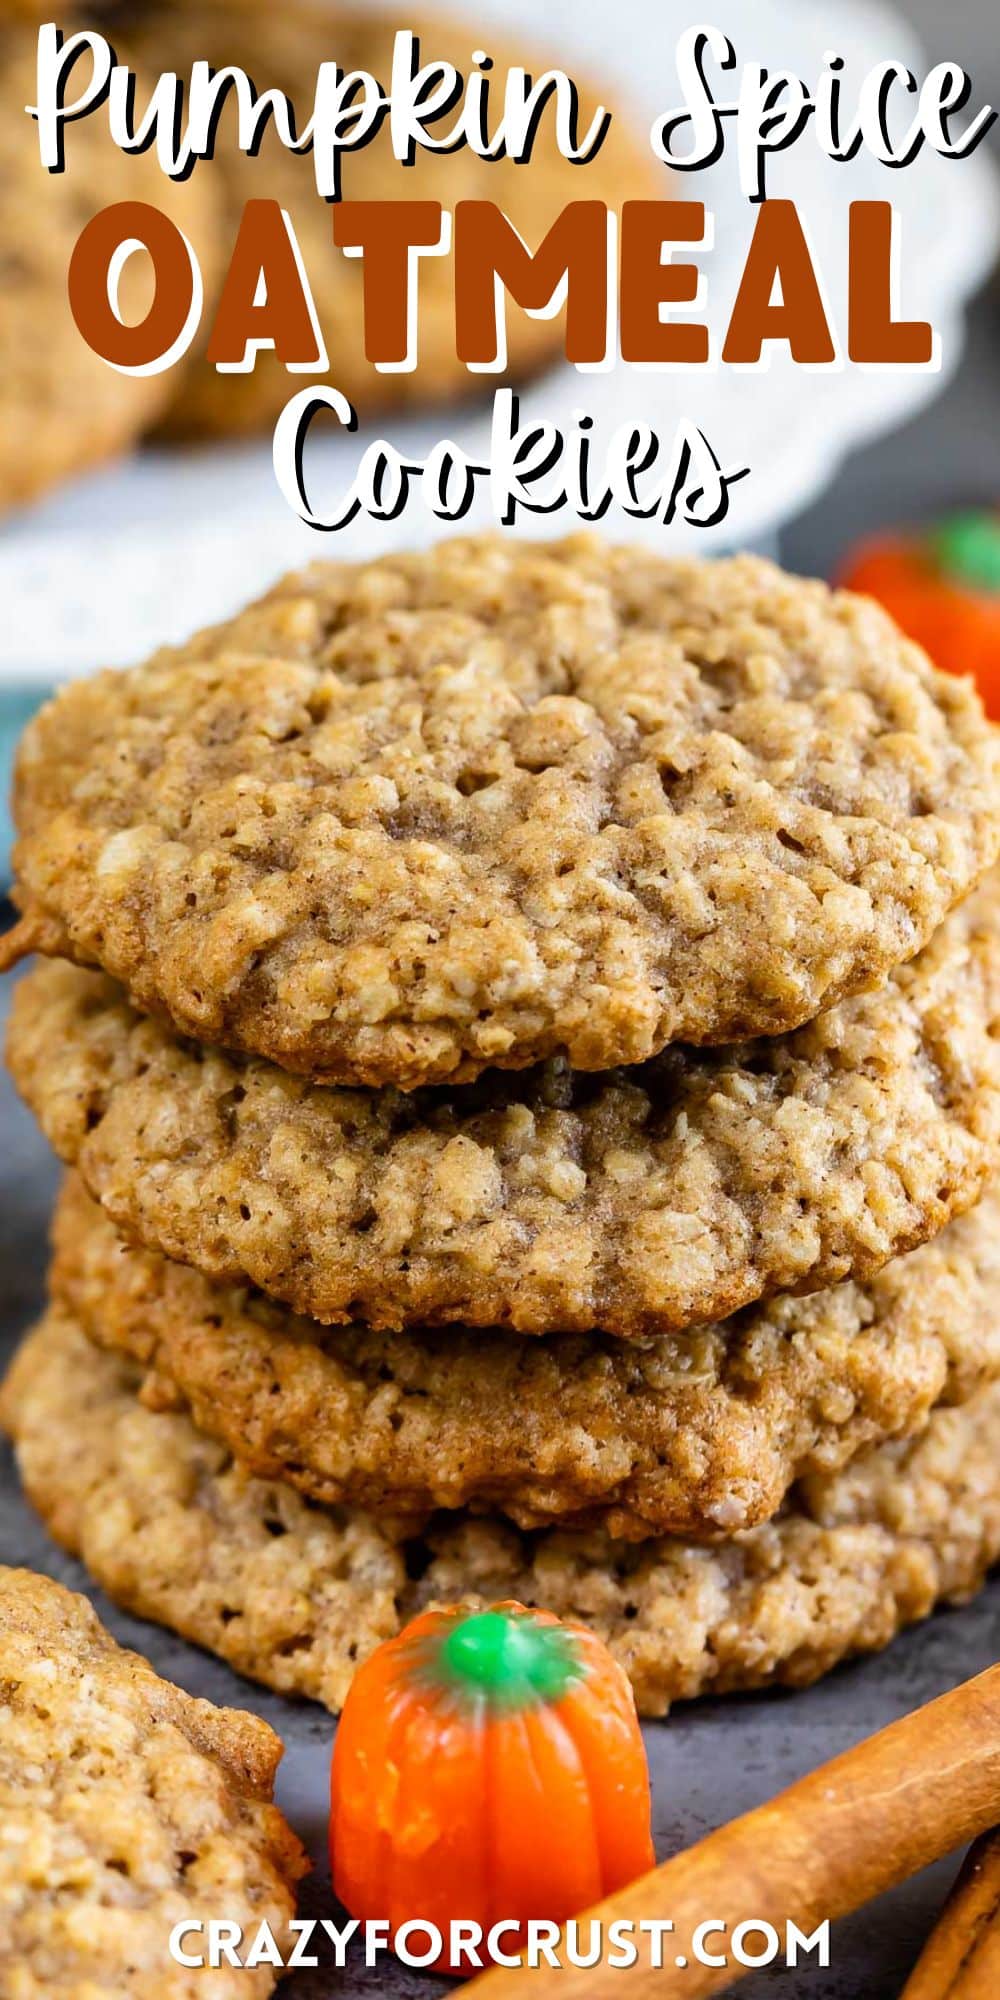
x=943 y=587
x=488 y=1766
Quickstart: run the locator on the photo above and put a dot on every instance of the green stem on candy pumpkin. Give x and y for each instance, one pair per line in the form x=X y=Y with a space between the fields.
x=503 y=1661
x=966 y=548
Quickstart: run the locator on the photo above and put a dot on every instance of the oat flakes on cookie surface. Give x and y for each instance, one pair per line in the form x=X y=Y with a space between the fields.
x=700 y=1434
x=289 y=1594
x=125 y=1806
x=640 y=1201
x=172 y=1529
x=494 y=802
x=851 y=1561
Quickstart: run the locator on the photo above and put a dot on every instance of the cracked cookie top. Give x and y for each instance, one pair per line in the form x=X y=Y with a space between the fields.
x=493 y=803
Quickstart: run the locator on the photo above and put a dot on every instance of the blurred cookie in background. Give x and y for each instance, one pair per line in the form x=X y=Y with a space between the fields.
x=282 y=48
x=62 y=408
x=40 y=10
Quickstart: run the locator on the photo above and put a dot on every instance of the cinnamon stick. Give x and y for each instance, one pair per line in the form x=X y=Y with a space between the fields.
x=962 y=1959
x=854 y=1828
x=30 y=934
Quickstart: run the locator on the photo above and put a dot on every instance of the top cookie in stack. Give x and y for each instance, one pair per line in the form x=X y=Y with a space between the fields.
x=402 y=822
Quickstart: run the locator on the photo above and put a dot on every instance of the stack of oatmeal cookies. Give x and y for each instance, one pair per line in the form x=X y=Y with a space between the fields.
x=524 y=1026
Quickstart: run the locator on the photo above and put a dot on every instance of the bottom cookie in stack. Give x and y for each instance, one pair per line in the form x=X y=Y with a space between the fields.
x=294 y=1593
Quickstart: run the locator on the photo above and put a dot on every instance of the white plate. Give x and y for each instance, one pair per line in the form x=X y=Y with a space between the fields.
x=146 y=551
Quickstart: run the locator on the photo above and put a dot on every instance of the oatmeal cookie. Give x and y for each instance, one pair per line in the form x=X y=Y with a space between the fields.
x=126 y=1806
x=640 y=1201
x=490 y=803
x=494 y=802
x=288 y=1593
x=700 y=1434
x=281 y=48
x=62 y=409
x=293 y=1594
x=854 y=1558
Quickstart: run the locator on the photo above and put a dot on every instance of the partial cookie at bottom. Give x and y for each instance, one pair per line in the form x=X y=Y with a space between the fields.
x=126 y=1807
x=295 y=1595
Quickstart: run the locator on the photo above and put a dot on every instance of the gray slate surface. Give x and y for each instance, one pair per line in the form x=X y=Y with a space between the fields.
x=709 y=1762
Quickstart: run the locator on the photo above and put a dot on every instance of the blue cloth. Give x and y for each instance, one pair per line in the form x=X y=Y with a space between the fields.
x=16 y=704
